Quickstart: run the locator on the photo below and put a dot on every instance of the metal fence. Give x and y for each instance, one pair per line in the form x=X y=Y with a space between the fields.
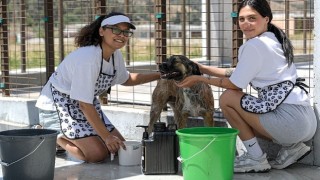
x=35 y=35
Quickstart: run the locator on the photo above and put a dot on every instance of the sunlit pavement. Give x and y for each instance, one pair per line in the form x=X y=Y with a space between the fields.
x=67 y=168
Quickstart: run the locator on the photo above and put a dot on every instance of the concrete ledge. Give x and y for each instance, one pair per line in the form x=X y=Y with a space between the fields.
x=5 y=125
x=126 y=120
x=18 y=111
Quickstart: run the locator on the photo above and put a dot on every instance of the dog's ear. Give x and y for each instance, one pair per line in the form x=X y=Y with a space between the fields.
x=192 y=67
x=195 y=69
x=170 y=59
x=165 y=60
x=174 y=58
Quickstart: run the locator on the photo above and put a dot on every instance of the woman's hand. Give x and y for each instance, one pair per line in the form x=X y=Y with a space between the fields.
x=201 y=66
x=189 y=81
x=113 y=144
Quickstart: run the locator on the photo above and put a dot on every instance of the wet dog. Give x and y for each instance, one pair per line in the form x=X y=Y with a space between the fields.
x=196 y=101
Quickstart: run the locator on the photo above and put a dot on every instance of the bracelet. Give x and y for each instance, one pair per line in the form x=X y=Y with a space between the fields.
x=228 y=72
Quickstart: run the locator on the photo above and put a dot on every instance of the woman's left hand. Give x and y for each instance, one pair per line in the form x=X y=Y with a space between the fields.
x=189 y=81
x=113 y=143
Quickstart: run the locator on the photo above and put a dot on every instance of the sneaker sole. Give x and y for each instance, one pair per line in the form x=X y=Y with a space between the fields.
x=61 y=152
x=302 y=153
x=260 y=169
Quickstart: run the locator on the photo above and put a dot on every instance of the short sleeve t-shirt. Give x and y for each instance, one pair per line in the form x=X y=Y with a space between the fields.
x=76 y=75
x=262 y=63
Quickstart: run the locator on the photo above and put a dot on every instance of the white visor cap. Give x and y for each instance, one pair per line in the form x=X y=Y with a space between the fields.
x=116 y=20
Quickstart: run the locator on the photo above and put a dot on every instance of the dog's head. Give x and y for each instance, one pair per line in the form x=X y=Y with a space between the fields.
x=178 y=67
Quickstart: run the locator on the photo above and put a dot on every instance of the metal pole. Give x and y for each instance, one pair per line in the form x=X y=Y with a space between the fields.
x=237 y=35
x=160 y=31
x=4 y=45
x=23 y=35
x=184 y=45
x=60 y=26
x=287 y=11
x=49 y=37
x=304 y=26
x=126 y=5
x=208 y=40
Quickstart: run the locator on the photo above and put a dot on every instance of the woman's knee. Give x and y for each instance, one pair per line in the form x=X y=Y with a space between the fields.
x=95 y=156
x=225 y=98
x=89 y=149
x=96 y=152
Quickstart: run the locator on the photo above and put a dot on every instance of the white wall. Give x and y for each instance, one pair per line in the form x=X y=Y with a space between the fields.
x=221 y=30
x=317 y=78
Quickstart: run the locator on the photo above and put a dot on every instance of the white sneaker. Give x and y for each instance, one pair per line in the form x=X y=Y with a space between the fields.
x=290 y=155
x=37 y=126
x=247 y=163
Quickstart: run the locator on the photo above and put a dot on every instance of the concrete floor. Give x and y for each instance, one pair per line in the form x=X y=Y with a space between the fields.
x=67 y=168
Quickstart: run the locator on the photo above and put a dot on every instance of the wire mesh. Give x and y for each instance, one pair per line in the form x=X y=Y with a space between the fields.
x=201 y=30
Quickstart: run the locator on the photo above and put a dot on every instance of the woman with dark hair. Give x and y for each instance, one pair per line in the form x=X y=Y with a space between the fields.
x=68 y=102
x=282 y=112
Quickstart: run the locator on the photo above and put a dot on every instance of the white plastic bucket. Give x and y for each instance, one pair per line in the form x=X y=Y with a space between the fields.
x=132 y=155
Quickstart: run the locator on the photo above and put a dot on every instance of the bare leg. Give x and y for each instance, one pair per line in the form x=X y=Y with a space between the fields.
x=90 y=149
x=247 y=123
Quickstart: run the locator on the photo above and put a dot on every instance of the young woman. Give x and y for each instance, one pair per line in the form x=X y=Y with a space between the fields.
x=68 y=101
x=282 y=111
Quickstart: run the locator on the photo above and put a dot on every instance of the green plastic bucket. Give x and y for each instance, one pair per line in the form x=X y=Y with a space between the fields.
x=207 y=152
x=28 y=154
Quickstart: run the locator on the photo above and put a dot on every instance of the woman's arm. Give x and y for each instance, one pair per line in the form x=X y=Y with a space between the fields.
x=215 y=71
x=222 y=82
x=94 y=119
x=221 y=78
x=112 y=142
x=140 y=78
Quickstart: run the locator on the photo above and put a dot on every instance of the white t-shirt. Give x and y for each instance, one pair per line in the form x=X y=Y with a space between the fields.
x=77 y=74
x=262 y=62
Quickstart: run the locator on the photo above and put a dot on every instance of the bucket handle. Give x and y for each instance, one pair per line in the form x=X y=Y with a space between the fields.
x=9 y=164
x=181 y=160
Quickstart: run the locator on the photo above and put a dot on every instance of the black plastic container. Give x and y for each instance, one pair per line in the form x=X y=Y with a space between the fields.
x=160 y=150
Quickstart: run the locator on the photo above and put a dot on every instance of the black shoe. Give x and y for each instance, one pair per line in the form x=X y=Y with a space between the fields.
x=60 y=151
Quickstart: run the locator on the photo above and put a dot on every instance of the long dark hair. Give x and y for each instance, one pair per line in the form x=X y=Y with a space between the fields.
x=263 y=8
x=89 y=34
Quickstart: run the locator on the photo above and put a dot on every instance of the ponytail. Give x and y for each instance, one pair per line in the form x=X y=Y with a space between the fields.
x=284 y=41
